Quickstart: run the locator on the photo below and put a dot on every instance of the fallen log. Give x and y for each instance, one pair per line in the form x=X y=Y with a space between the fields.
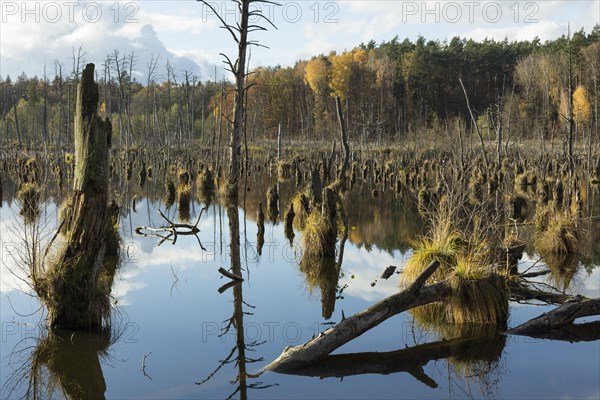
x=563 y=315
x=354 y=326
x=572 y=333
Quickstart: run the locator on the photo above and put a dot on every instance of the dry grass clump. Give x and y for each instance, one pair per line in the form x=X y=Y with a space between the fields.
x=284 y=170
x=228 y=194
x=557 y=232
x=301 y=205
x=170 y=193
x=478 y=296
x=205 y=183
x=466 y=245
x=29 y=196
x=444 y=246
x=314 y=240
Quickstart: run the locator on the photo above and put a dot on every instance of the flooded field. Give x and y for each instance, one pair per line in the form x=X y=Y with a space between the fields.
x=180 y=331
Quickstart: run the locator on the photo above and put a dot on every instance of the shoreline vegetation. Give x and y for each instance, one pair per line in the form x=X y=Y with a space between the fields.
x=391 y=93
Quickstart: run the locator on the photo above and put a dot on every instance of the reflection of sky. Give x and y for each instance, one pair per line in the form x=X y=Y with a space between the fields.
x=171 y=308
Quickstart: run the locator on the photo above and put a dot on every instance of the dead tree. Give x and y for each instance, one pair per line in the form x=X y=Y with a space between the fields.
x=240 y=32
x=75 y=287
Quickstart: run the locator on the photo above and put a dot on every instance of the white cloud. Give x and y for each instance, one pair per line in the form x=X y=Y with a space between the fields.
x=27 y=46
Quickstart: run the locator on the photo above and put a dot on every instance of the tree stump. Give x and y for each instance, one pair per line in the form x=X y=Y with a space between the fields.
x=76 y=286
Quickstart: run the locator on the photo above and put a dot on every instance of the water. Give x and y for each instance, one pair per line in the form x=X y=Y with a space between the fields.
x=169 y=317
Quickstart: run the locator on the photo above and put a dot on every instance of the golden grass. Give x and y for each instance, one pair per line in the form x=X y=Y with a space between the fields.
x=301 y=210
x=444 y=245
x=170 y=193
x=314 y=241
x=284 y=170
x=29 y=195
x=557 y=233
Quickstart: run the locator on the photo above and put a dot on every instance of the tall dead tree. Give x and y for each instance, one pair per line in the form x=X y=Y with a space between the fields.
x=239 y=32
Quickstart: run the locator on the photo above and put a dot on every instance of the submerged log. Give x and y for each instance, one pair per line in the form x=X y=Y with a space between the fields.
x=354 y=326
x=75 y=287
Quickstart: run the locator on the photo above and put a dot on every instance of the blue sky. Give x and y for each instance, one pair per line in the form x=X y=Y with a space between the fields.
x=185 y=32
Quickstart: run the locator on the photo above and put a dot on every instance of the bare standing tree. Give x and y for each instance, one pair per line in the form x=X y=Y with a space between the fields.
x=239 y=31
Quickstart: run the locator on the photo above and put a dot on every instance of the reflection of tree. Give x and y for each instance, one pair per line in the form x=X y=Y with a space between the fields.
x=238 y=353
x=323 y=270
x=563 y=268
x=472 y=358
x=63 y=364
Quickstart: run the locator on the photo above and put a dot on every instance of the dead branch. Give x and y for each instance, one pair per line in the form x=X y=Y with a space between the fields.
x=171 y=230
x=354 y=326
x=563 y=315
x=230 y=275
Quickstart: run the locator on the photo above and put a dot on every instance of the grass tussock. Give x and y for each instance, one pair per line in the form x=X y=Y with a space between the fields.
x=284 y=170
x=170 y=193
x=205 y=183
x=314 y=241
x=557 y=232
x=464 y=244
x=478 y=297
x=443 y=245
x=29 y=196
x=301 y=205
x=228 y=194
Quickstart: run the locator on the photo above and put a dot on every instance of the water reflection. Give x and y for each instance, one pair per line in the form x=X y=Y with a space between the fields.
x=239 y=353
x=62 y=364
x=473 y=362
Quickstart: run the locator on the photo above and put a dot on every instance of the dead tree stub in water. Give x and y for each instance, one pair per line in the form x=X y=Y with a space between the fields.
x=76 y=286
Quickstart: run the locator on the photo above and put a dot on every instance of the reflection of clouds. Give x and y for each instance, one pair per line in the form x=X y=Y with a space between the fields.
x=582 y=283
x=366 y=268
x=591 y=285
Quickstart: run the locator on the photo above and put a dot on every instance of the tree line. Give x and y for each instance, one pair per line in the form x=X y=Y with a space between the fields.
x=391 y=91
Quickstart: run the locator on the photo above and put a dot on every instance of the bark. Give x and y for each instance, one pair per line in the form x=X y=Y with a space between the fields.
x=350 y=328
x=586 y=332
x=71 y=287
x=240 y=78
x=487 y=165
x=560 y=316
x=344 y=138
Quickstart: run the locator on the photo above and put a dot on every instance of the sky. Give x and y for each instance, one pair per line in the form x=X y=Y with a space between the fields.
x=187 y=33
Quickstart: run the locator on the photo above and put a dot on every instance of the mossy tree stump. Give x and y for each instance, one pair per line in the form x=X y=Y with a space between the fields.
x=76 y=286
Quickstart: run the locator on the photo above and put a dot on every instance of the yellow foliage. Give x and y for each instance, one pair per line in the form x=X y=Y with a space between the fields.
x=581 y=105
x=341 y=70
x=315 y=74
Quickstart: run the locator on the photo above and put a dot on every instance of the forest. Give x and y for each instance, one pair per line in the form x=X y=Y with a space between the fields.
x=394 y=91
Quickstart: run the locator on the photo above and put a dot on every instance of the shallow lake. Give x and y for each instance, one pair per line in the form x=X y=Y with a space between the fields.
x=177 y=336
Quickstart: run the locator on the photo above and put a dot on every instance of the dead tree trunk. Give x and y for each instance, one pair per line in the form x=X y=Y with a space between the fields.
x=75 y=288
x=350 y=328
x=485 y=159
x=560 y=316
x=344 y=139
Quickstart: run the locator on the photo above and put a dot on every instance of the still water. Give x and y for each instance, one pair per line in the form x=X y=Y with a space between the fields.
x=177 y=336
